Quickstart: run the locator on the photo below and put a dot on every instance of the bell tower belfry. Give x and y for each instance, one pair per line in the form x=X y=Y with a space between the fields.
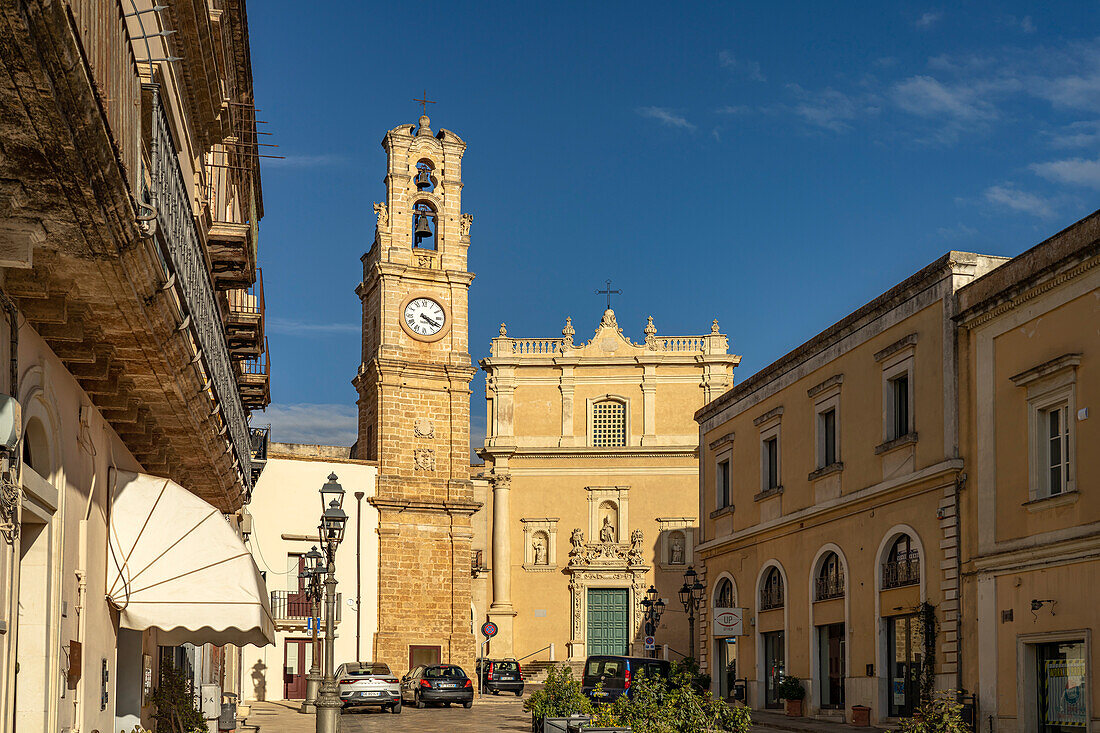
x=414 y=400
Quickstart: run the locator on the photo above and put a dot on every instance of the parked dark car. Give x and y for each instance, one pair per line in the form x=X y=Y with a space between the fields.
x=616 y=674
x=500 y=675
x=443 y=683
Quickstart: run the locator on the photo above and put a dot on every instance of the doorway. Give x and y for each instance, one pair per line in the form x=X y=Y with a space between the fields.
x=727 y=666
x=607 y=621
x=774 y=666
x=297 y=660
x=904 y=658
x=426 y=655
x=830 y=639
x=1062 y=692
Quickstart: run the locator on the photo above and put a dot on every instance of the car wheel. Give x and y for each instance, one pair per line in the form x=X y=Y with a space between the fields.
x=467 y=705
x=495 y=692
x=519 y=693
x=418 y=702
x=395 y=708
x=446 y=704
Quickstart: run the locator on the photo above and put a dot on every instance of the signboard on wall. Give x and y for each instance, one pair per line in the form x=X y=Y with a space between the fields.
x=728 y=622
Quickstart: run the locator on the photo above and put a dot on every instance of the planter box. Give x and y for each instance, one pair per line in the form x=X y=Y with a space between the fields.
x=861 y=715
x=794 y=708
x=561 y=725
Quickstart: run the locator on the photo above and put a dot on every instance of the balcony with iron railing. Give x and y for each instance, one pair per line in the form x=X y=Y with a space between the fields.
x=771 y=597
x=829 y=587
x=255 y=381
x=293 y=608
x=244 y=319
x=900 y=573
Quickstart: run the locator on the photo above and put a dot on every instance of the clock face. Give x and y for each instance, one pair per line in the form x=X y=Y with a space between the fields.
x=424 y=316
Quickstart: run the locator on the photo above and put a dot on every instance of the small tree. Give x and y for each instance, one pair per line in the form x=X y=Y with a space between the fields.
x=175 y=704
x=790 y=688
x=560 y=697
x=674 y=706
x=941 y=713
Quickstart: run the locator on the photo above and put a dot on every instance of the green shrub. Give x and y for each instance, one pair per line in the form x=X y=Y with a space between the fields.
x=940 y=714
x=175 y=704
x=559 y=697
x=675 y=706
x=790 y=688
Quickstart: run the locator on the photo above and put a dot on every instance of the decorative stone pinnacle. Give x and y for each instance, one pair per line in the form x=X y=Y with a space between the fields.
x=424 y=126
x=714 y=326
x=503 y=330
x=568 y=331
x=609 y=319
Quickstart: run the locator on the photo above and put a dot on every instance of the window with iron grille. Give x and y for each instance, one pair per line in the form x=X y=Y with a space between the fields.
x=830 y=579
x=608 y=423
x=771 y=593
x=902 y=566
x=724 y=597
x=1056 y=444
x=722 y=481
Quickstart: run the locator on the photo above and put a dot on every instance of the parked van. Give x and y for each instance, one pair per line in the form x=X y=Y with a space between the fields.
x=616 y=674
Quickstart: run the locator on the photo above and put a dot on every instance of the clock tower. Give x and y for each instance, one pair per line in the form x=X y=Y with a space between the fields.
x=414 y=400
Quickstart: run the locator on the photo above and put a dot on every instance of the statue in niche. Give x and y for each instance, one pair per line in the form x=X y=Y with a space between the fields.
x=539 y=547
x=676 y=554
x=607 y=531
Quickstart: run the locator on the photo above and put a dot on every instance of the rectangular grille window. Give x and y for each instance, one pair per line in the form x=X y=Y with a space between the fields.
x=608 y=424
x=1057 y=444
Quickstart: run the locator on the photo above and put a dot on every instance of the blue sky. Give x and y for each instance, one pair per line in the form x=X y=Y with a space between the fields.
x=771 y=165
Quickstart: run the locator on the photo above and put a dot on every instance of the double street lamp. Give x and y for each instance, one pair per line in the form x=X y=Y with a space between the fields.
x=653 y=607
x=330 y=532
x=691 y=595
x=311 y=576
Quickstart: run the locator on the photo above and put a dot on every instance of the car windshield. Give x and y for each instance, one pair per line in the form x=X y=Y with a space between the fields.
x=366 y=669
x=438 y=672
x=506 y=667
x=606 y=667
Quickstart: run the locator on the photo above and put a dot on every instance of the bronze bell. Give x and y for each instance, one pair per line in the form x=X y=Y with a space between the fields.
x=423 y=228
x=423 y=179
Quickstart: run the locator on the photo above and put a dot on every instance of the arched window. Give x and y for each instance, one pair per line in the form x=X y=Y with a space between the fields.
x=608 y=423
x=771 y=593
x=424 y=180
x=36 y=448
x=830 y=579
x=902 y=566
x=723 y=598
x=425 y=226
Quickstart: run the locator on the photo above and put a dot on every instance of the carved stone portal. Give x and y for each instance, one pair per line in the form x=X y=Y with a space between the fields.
x=605 y=565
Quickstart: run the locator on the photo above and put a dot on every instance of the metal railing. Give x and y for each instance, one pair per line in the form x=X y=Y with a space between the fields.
x=105 y=40
x=828 y=587
x=771 y=597
x=289 y=605
x=260 y=365
x=902 y=572
x=180 y=238
x=249 y=300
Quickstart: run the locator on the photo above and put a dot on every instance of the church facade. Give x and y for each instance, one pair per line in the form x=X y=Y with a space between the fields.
x=414 y=398
x=590 y=455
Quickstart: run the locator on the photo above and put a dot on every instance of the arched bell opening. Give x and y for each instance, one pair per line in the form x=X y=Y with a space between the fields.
x=425 y=178
x=425 y=226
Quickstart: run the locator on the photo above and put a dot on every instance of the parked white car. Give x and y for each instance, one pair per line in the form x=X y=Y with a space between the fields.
x=368 y=683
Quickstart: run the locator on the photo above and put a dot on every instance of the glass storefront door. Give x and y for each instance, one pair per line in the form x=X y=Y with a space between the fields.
x=727 y=666
x=1063 y=687
x=830 y=650
x=774 y=666
x=904 y=659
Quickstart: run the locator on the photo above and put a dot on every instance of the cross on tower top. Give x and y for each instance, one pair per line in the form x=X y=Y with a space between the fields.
x=424 y=103
x=609 y=292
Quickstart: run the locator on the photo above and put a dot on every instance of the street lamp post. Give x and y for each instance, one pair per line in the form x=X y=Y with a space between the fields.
x=654 y=607
x=691 y=595
x=330 y=533
x=312 y=574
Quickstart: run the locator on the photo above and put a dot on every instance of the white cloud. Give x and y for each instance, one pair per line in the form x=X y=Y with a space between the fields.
x=1009 y=197
x=927 y=20
x=316 y=424
x=666 y=117
x=925 y=96
x=749 y=69
x=829 y=108
x=291 y=327
x=958 y=231
x=734 y=109
x=1075 y=171
x=1085 y=134
x=304 y=161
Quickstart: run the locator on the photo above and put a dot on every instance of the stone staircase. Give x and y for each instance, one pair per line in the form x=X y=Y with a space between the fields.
x=534 y=672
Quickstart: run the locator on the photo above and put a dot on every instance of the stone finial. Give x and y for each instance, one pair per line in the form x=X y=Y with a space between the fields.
x=568 y=331
x=424 y=126
x=464 y=225
x=714 y=327
x=503 y=330
x=650 y=330
x=608 y=320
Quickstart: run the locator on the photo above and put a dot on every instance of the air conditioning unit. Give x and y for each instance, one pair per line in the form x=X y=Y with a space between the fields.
x=11 y=423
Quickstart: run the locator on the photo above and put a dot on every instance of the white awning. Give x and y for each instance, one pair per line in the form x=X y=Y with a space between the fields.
x=176 y=565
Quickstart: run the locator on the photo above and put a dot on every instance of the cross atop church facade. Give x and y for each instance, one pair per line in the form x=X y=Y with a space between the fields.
x=424 y=102
x=609 y=292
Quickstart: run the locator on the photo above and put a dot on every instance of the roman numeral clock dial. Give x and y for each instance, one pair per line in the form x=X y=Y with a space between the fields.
x=424 y=317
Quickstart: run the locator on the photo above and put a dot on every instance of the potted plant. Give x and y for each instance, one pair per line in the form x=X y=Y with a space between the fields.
x=790 y=689
x=560 y=697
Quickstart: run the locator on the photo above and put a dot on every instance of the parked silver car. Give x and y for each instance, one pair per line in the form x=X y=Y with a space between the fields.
x=368 y=683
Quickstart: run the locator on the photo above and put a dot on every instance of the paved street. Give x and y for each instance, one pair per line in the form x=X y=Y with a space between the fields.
x=487 y=714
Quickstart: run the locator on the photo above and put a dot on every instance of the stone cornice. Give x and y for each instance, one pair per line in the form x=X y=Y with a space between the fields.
x=590 y=452
x=435 y=507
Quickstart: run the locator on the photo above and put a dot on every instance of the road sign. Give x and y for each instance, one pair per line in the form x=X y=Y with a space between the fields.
x=489 y=629
x=650 y=643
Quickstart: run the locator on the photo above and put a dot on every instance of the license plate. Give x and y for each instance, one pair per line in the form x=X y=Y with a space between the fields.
x=447 y=684
x=600 y=694
x=369 y=694
x=507 y=678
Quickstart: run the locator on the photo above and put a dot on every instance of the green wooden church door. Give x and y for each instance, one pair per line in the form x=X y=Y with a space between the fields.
x=607 y=621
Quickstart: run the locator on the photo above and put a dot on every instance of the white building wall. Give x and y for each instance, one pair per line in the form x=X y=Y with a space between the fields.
x=285 y=505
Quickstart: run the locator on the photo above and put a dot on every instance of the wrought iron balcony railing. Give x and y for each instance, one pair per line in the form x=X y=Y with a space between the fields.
x=902 y=572
x=771 y=598
x=831 y=586
x=292 y=605
x=177 y=232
